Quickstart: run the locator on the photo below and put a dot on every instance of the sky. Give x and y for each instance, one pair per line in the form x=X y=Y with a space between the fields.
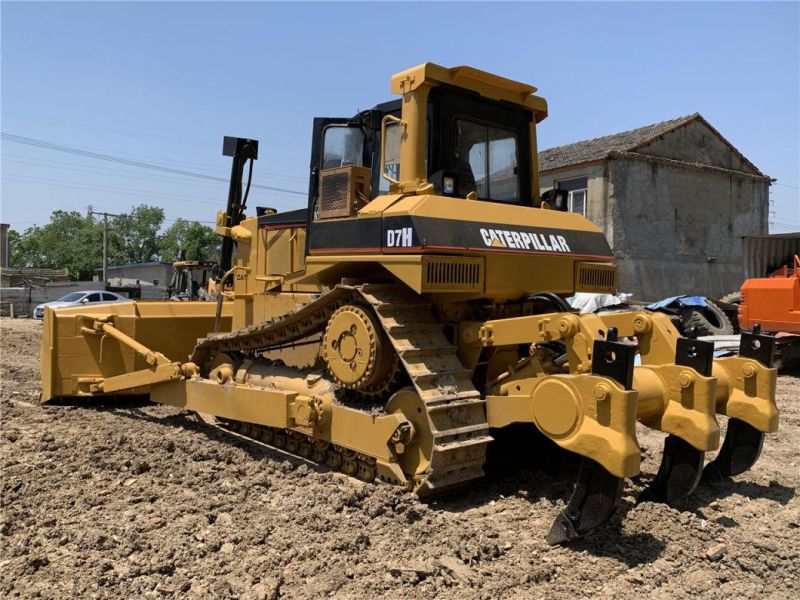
x=162 y=83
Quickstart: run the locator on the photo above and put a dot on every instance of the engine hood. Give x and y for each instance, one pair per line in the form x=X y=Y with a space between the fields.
x=426 y=223
x=440 y=223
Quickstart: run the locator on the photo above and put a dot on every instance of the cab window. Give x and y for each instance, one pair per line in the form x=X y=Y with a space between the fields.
x=487 y=161
x=391 y=155
x=342 y=146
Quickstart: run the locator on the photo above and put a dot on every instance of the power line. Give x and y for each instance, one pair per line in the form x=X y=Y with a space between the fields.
x=106 y=188
x=92 y=170
x=161 y=159
x=67 y=166
x=115 y=189
x=134 y=163
x=136 y=133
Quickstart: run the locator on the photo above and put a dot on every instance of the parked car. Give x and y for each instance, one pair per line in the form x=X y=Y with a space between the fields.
x=78 y=299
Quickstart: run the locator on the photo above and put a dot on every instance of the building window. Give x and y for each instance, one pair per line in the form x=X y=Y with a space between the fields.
x=155 y=281
x=577 y=194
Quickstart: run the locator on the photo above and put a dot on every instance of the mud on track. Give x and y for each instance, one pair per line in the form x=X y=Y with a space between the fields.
x=135 y=500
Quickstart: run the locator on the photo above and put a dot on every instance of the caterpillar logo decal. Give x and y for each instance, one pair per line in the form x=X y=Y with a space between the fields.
x=522 y=240
x=406 y=233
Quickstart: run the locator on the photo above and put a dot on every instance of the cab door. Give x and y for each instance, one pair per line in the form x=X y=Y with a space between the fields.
x=340 y=182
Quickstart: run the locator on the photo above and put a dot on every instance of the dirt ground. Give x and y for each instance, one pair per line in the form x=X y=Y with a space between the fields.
x=146 y=501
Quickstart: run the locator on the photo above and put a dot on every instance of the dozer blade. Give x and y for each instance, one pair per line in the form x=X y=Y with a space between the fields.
x=678 y=474
x=739 y=452
x=592 y=503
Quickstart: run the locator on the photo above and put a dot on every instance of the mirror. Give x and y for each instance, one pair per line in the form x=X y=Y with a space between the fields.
x=556 y=199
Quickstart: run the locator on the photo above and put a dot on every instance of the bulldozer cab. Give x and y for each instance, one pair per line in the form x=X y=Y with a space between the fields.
x=436 y=189
x=473 y=147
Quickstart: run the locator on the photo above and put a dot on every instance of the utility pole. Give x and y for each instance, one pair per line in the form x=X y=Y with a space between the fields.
x=105 y=216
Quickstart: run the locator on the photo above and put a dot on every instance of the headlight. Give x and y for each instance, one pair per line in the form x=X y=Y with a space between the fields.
x=448 y=185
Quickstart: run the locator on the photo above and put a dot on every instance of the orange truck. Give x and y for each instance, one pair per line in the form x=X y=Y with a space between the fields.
x=773 y=302
x=770 y=296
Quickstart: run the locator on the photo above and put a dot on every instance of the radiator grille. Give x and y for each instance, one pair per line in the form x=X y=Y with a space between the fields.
x=596 y=277
x=342 y=191
x=452 y=273
x=334 y=195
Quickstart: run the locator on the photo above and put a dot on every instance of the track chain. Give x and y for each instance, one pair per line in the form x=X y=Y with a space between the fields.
x=456 y=411
x=341 y=459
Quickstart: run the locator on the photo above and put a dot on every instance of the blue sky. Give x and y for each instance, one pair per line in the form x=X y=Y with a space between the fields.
x=163 y=82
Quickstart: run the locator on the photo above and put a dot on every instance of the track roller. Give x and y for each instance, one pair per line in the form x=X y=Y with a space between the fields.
x=592 y=503
x=678 y=474
x=739 y=452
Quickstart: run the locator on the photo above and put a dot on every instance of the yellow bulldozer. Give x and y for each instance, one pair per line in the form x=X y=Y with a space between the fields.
x=417 y=304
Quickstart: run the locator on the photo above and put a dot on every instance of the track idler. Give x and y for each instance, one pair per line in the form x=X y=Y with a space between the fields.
x=592 y=503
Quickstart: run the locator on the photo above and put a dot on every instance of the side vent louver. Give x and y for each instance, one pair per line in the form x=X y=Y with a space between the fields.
x=595 y=277
x=443 y=273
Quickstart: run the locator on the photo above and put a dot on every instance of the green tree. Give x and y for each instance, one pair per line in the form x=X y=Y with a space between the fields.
x=133 y=237
x=70 y=240
x=14 y=238
x=197 y=240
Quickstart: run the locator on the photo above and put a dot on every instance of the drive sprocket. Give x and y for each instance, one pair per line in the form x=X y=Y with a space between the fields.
x=357 y=353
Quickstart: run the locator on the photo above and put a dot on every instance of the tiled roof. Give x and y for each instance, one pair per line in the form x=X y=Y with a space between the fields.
x=599 y=148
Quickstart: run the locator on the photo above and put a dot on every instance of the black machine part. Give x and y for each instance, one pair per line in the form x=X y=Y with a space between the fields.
x=739 y=452
x=681 y=464
x=242 y=150
x=592 y=503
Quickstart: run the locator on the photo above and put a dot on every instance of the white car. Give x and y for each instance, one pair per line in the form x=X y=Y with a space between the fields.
x=78 y=299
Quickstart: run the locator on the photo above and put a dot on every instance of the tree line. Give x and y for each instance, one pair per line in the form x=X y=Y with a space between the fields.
x=74 y=241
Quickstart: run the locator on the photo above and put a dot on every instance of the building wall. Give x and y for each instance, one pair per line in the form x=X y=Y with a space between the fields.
x=162 y=273
x=696 y=143
x=678 y=230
